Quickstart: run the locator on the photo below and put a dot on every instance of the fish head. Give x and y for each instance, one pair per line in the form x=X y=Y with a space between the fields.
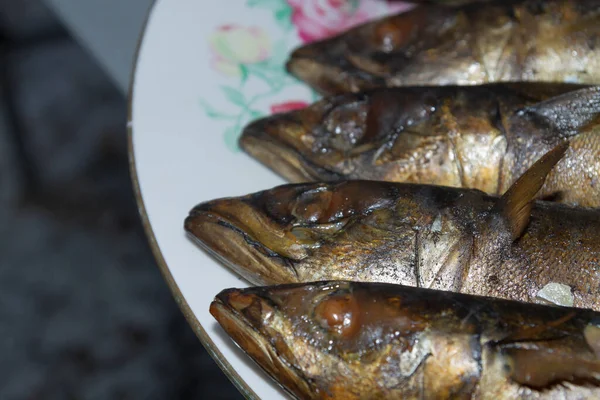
x=352 y=230
x=290 y=142
x=250 y=234
x=340 y=339
x=323 y=67
x=341 y=134
x=265 y=235
x=326 y=338
x=356 y=59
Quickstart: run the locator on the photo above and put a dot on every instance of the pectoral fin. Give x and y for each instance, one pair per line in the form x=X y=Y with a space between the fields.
x=592 y=337
x=568 y=113
x=516 y=204
x=547 y=364
x=541 y=356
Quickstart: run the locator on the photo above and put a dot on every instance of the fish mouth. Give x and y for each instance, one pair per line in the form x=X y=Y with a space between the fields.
x=322 y=76
x=269 y=141
x=242 y=314
x=223 y=228
x=324 y=67
x=315 y=64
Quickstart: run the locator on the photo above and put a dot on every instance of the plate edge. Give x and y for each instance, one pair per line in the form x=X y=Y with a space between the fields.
x=197 y=327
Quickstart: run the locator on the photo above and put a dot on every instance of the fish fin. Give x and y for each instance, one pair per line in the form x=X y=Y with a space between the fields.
x=448 y=277
x=568 y=113
x=542 y=356
x=516 y=204
x=532 y=333
x=542 y=91
x=550 y=363
x=592 y=337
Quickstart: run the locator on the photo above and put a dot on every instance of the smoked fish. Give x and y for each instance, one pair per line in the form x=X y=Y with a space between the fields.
x=427 y=236
x=481 y=137
x=353 y=340
x=482 y=42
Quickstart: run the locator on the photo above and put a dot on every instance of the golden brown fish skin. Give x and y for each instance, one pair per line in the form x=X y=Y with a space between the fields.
x=417 y=235
x=578 y=171
x=480 y=137
x=351 y=340
x=504 y=41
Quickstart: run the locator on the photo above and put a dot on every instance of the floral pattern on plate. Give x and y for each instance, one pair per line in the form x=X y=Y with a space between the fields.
x=245 y=53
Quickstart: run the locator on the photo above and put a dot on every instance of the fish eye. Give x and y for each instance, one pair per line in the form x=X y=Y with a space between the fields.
x=388 y=36
x=313 y=219
x=310 y=205
x=339 y=313
x=345 y=125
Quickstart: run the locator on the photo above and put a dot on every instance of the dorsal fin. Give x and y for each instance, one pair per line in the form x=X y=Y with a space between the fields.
x=516 y=204
x=568 y=113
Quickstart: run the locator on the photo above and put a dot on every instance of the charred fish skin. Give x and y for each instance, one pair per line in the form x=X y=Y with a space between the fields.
x=353 y=340
x=481 y=137
x=508 y=41
x=417 y=235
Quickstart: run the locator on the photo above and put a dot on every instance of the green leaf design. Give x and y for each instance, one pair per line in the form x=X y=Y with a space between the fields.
x=315 y=95
x=280 y=55
x=283 y=16
x=207 y=107
x=255 y=114
x=212 y=113
x=354 y=4
x=234 y=95
x=262 y=72
x=269 y=4
x=272 y=72
x=280 y=8
x=244 y=72
x=265 y=67
x=231 y=138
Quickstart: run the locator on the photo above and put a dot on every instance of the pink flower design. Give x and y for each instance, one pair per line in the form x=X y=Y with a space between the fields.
x=287 y=106
x=319 y=19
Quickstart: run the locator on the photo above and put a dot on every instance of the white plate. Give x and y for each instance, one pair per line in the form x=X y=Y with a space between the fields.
x=203 y=70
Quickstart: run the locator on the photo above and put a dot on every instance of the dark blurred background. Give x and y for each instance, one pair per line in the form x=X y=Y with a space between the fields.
x=84 y=311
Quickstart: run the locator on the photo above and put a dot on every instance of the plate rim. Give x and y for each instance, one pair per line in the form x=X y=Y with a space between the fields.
x=184 y=307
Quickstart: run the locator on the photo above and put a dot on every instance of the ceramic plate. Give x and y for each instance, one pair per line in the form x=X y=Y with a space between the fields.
x=202 y=72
